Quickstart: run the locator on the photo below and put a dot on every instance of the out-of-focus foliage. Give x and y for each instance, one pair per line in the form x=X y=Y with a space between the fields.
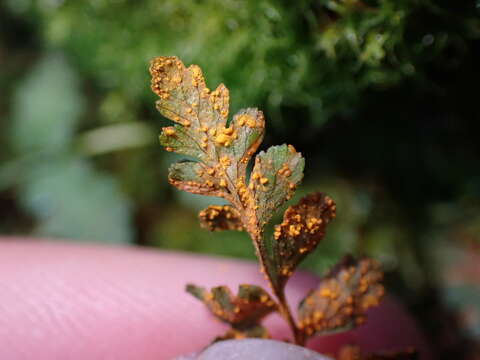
x=46 y=108
x=56 y=185
x=456 y=259
x=315 y=54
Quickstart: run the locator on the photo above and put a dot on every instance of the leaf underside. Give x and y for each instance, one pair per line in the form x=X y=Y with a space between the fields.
x=302 y=228
x=188 y=176
x=222 y=151
x=219 y=218
x=243 y=312
x=201 y=129
x=342 y=298
x=275 y=177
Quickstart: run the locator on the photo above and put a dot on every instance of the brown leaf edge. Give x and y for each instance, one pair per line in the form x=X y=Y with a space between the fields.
x=343 y=297
x=303 y=227
x=220 y=218
x=243 y=312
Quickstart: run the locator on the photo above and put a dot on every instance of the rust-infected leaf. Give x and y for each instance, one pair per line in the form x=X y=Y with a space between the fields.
x=220 y=217
x=342 y=298
x=274 y=179
x=248 y=130
x=352 y=352
x=243 y=311
x=201 y=115
x=184 y=96
x=202 y=131
x=178 y=139
x=222 y=151
x=223 y=148
x=301 y=230
x=191 y=176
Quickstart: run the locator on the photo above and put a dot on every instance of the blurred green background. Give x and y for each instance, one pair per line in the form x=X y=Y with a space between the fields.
x=381 y=97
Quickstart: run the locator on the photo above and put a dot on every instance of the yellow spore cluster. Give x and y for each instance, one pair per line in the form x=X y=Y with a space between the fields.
x=220 y=217
x=343 y=298
x=243 y=309
x=307 y=220
x=166 y=75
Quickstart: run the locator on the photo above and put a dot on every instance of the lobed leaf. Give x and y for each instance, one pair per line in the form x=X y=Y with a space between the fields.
x=200 y=114
x=274 y=179
x=202 y=131
x=218 y=218
x=243 y=311
x=178 y=139
x=184 y=96
x=247 y=135
x=342 y=298
x=191 y=176
x=302 y=228
x=223 y=151
x=352 y=352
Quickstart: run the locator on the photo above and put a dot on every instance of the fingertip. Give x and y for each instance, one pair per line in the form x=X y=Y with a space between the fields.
x=101 y=301
x=124 y=303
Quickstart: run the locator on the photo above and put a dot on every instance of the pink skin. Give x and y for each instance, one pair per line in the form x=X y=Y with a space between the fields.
x=69 y=302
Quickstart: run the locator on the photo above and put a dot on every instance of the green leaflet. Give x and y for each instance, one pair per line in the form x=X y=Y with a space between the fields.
x=220 y=217
x=342 y=298
x=243 y=312
x=202 y=132
x=275 y=177
x=246 y=135
x=249 y=128
x=302 y=228
x=178 y=139
x=184 y=97
x=191 y=176
x=223 y=151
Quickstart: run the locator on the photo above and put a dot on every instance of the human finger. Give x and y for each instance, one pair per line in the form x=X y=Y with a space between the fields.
x=60 y=300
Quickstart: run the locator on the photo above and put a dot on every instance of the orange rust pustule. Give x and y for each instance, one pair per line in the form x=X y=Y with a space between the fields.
x=244 y=310
x=224 y=148
x=343 y=297
x=184 y=97
x=220 y=217
x=167 y=74
x=169 y=131
x=207 y=188
x=302 y=229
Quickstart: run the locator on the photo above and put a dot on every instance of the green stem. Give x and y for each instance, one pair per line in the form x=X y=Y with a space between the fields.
x=285 y=311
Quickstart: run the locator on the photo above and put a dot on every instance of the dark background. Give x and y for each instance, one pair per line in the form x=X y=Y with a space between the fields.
x=381 y=97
